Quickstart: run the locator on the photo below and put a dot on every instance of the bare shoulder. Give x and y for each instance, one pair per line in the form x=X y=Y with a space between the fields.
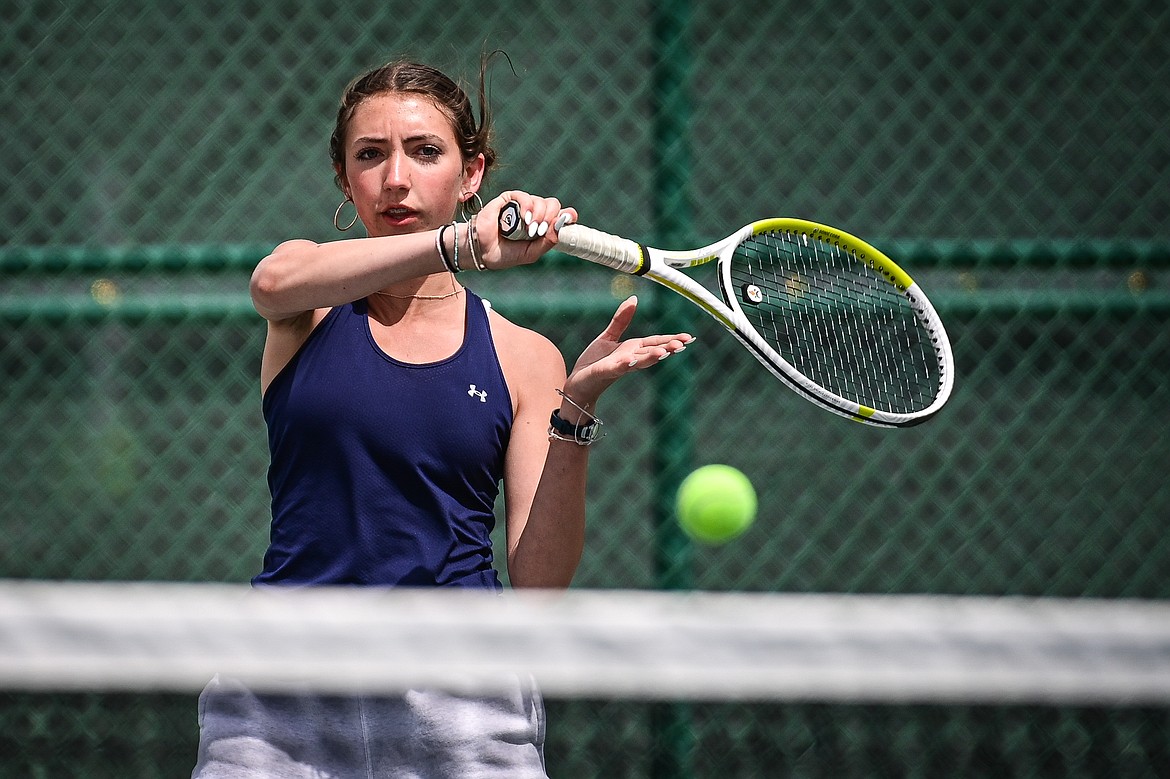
x=527 y=357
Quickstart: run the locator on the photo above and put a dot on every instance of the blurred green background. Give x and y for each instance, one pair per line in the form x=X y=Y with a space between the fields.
x=1013 y=156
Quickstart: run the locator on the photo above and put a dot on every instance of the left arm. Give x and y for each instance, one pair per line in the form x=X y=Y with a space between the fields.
x=544 y=484
x=543 y=549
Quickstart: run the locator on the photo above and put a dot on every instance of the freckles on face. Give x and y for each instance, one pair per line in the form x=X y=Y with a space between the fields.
x=403 y=164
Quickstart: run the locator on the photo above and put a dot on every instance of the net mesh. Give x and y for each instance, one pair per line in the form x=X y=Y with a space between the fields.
x=1010 y=155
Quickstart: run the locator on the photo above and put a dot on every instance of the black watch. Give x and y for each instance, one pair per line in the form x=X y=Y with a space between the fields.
x=585 y=434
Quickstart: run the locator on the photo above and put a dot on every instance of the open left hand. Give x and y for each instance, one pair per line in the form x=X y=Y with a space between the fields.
x=609 y=357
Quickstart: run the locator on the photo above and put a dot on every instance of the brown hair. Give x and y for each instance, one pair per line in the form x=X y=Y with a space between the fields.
x=472 y=134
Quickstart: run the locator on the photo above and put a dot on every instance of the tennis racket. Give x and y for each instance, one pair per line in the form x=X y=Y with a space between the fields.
x=828 y=314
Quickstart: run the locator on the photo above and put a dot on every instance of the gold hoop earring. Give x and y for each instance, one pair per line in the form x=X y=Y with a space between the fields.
x=466 y=212
x=337 y=216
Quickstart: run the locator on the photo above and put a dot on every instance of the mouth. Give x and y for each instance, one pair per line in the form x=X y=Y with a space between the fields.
x=398 y=215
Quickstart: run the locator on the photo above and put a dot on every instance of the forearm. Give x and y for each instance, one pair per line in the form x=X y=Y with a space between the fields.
x=546 y=533
x=548 y=550
x=300 y=275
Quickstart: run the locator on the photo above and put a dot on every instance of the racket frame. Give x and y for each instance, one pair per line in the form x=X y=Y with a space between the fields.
x=663 y=266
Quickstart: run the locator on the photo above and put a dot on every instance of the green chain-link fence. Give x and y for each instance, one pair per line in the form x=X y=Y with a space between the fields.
x=1013 y=155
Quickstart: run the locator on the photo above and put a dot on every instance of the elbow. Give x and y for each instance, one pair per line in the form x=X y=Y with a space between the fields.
x=271 y=280
x=265 y=286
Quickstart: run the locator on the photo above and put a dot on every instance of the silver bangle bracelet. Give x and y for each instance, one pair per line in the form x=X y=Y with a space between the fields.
x=583 y=435
x=473 y=244
x=455 y=245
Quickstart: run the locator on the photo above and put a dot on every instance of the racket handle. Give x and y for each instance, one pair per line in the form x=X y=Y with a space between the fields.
x=620 y=254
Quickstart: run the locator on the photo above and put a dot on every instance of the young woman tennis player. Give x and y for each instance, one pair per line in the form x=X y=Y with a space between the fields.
x=397 y=402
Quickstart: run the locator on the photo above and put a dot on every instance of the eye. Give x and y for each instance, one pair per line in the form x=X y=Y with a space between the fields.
x=429 y=152
x=366 y=154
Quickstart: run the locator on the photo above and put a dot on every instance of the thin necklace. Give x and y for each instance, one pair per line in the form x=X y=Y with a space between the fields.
x=454 y=291
x=444 y=296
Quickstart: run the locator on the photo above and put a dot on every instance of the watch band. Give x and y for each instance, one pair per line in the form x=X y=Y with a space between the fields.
x=580 y=434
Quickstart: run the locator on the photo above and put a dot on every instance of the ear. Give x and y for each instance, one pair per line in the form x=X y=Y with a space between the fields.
x=472 y=176
x=341 y=180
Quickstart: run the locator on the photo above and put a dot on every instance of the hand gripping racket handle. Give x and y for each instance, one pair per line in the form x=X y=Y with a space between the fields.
x=620 y=254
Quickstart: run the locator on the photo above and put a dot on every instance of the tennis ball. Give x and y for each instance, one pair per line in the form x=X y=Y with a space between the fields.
x=715 y=504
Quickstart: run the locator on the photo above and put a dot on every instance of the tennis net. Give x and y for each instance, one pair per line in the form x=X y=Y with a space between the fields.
x=594 y=644
x=101 y=680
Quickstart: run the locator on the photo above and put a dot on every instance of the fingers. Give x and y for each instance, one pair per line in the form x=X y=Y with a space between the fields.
x=621 y=319
x=647 y=350
x=540 y=217
x=609 y=358
x=654 y=349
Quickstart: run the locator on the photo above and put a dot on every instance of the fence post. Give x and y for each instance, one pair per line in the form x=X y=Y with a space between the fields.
x=671 y=722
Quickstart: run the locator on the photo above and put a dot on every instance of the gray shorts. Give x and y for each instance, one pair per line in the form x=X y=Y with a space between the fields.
x=424 y=733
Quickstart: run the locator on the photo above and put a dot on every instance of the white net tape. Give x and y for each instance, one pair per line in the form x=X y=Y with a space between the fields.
x=587 y=644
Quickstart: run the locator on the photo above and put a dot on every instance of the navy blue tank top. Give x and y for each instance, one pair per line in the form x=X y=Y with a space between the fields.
x=384 y=472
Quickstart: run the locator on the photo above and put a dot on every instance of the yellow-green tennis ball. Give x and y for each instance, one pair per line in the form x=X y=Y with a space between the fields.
x=716 y=503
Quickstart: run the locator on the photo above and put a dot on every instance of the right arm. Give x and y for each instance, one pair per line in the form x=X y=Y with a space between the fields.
x=295 y=286
x=301 y=276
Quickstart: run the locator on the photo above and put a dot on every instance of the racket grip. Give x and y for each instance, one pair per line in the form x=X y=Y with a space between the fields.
x=620 y=254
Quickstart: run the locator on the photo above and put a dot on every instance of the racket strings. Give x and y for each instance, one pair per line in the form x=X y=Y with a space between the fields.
x=837 y=320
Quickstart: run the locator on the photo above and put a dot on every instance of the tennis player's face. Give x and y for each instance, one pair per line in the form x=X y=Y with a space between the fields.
x=403 y=167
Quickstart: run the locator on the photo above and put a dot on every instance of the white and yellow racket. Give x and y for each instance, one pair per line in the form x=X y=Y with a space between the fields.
x=828 y=314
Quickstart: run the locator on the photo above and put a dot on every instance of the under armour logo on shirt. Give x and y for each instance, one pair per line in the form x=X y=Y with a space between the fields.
x=481 y=394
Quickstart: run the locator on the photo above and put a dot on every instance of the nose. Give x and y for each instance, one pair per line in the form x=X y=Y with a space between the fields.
x=397 y=172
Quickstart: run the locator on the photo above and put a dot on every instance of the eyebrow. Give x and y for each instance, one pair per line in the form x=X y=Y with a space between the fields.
x=412 y=139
